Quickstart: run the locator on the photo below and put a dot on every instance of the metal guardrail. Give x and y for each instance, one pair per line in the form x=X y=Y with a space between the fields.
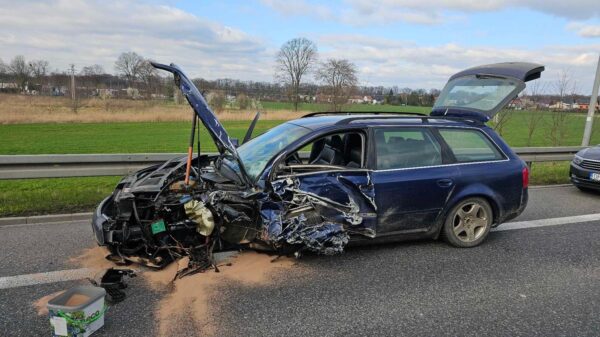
x=89 y=165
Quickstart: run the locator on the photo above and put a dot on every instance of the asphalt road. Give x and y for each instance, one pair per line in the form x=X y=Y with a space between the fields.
x=542 y=281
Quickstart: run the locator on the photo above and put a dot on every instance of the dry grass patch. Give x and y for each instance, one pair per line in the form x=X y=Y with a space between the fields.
x=20 y=109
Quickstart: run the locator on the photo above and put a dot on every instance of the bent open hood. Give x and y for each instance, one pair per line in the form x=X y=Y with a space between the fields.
x=481 y=92
x=204 y=112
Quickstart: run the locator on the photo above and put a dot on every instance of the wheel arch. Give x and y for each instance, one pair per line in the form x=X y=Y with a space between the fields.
x=488 y=196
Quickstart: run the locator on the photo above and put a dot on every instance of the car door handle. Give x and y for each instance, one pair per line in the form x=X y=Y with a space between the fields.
x=445 y=182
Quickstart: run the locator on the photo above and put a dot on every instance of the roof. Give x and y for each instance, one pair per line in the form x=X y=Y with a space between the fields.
x=523 y=71
x=319 y=122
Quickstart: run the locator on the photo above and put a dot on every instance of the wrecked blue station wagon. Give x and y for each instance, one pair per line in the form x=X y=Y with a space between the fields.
x=326 y=180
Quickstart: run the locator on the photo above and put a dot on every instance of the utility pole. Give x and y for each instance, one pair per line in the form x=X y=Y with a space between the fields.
x=73 y=82
x=589 y=121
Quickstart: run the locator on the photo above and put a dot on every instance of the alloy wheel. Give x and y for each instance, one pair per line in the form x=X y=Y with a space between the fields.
x=470 y=222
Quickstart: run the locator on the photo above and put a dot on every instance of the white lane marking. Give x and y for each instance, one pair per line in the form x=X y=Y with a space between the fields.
x=72 y=274
x=547 y=222
x=82 y=273
x=48 y=277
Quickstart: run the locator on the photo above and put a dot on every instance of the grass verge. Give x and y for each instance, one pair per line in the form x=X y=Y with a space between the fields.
x=549 y=173
x=54 y=195
x=70 y=195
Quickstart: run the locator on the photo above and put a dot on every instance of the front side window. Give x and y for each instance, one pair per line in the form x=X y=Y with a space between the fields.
x=405 y=148
x=343 y=149
x=470 y=145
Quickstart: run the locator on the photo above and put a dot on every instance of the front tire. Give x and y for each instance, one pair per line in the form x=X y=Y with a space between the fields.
x=468 y=223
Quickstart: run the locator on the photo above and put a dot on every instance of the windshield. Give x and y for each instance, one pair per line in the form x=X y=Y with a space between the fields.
x=256 y=153
x=477 y=93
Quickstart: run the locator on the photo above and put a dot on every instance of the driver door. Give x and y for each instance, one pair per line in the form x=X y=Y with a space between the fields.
x=330 y=175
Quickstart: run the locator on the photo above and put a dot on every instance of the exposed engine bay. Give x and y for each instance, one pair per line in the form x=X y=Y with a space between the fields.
x=154 y=218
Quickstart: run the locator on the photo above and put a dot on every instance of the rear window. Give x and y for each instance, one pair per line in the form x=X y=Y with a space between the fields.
x=470 y=145
x=406 y=147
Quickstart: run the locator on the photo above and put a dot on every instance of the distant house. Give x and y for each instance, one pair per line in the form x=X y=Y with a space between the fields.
x=516 y=104
x=560 y=105
x=378 y=99
x=323 y=98
x=360 y=100
x=9 y=87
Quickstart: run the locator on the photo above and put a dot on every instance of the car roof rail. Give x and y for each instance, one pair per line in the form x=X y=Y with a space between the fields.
x=313 y=114
x=424 y=119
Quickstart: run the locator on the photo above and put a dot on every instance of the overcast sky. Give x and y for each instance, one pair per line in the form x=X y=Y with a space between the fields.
x=408 y=43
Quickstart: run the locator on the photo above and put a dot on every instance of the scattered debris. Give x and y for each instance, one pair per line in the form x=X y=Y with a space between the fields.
x=195 y=298
x=41 y=305
x=112 y=281
x=92 y=258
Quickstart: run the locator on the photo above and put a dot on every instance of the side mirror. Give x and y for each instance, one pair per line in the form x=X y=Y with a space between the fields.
x=236 y=142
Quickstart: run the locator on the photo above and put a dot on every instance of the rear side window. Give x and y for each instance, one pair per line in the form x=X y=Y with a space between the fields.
x=470 y=145
x=406 y=147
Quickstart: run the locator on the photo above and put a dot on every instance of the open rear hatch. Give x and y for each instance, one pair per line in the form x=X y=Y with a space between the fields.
x=481 y=92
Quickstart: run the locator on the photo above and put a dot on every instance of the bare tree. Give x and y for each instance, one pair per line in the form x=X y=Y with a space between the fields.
x=217 y=101
x=129 y=65
x=557 y=132
x=93 y=70
x=39 y=68
x=294 y=60
x=19 y=69
x=148 y=75
x=534 y=117
x=243 y=101
x=562 y=84
x=501 y=120
x=574 y=95
x=340 y=80
x=2 y=67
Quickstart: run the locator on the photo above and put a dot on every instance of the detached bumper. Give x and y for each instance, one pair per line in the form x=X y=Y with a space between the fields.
x=580 y=177
x=99 y=220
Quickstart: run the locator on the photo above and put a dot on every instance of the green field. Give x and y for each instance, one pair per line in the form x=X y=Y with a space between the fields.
x=147 y=137
x=40 y=196
x=144 y=137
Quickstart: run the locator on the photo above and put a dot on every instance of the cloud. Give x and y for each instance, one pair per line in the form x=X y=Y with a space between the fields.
x=408 y=64
x=296 y=7
x=585 y=30
x=88 y=32
x=362 y=12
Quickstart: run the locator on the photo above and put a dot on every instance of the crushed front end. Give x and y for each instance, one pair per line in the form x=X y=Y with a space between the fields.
x=153 y=217
x=195 y=205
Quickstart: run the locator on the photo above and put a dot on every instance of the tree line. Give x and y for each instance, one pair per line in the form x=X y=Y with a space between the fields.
x=300 y=77
x=333 y=81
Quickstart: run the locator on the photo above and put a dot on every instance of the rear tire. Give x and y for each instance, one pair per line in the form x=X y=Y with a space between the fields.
x=468 y=223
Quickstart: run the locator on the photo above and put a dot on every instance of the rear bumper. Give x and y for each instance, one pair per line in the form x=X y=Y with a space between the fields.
x=511 y=215
x=580 y=177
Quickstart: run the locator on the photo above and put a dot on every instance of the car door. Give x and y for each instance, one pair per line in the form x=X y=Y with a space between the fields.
x=412 y=180
x=341 y=192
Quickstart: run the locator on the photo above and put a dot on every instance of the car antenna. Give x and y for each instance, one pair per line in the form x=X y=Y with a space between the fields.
x=190 y=149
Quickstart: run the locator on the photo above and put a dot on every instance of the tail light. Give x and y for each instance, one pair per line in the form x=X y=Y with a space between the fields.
x=525 y=173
